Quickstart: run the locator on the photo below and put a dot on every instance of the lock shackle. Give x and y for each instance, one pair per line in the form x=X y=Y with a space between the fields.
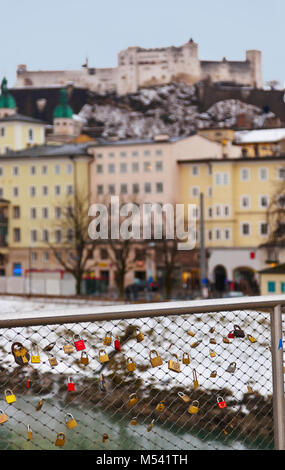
x=8 y=390
x=68 y=414
x=29 y=427
x=129 y=359
x=185 y=354
x=194 y=374
x=61 y=434
x=153 y=351
x=181 y=394
x=132 y=395
x=195 y=401
x=221 y=399
x=70 y=379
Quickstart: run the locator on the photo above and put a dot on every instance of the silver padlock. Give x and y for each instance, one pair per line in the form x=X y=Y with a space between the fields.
x=231 y=368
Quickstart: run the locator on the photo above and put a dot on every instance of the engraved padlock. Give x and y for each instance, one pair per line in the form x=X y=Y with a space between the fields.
x=9 y=396
x=221 y=402
x=103 y=356
x=155 y=361
x=194 y=407
x=130 y=364
x=20 y=354
x=35 y=355
x=231 y=368
x=239 y=333
x=183 y=397
x=53 y=361
x=251 y=338
x=68 y=348
x=186 y=358
x=174 y=365
x=84 y=359
x=70 y=421
x=60 y=439
x=78 y=343
x=108 y=339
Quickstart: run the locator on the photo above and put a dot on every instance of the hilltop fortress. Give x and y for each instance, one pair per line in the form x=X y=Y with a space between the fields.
x=138 y=67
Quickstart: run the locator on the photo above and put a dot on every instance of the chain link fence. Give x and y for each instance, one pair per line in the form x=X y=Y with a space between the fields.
x=189 y=381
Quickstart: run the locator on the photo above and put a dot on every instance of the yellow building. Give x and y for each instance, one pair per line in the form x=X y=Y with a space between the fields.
x=272 y=280
x=16 y=130
x=236 y=197
x=261 y=142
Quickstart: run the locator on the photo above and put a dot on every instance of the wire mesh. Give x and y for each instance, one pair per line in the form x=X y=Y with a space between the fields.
x=211 y=390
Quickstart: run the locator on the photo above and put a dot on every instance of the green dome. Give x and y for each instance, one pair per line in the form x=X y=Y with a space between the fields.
x=6 y=99
x=63 y=110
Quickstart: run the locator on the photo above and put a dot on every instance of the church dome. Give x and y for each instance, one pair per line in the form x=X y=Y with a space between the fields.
x=6 y=99
x=63 y=110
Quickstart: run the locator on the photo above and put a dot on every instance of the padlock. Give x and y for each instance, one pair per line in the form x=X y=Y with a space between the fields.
x=212 y=354
x=213 y=374
x=28 y=383
x=194 y=345
x=155 y=361
x=231 y=334
x=249 y=389
x=239 y=333
x=20 y=354
x=130 y=364
x=35 y=358
x=117 y=344
x=133 y=421
x=40 y=404
x=70 y=385
x=213 y=341
x=49 y=347
x=225 y=340
x=174 y=365
x=3 y=417
x=108 y=339
x=160 y=406
x=150 y=426
x=212 y=329
x=105 y=437
x=251 y=339
x=221 y=402
x=29 y=433
x=133 y=399
x=195 y=379
x=190 y=333
x=183 y=397
x=68 y=348
x=84 y=358
x=102 y=384
x=103 y=356
x=9 y=396
x=231 y=368
x=139 y=336
x=60 y=439
x=186 y=358
x=78 y=343
x=53 y=361
x=70 y=421
x=194 y=407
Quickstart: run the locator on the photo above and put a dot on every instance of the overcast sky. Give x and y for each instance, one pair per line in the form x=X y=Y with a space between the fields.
x=59 y=34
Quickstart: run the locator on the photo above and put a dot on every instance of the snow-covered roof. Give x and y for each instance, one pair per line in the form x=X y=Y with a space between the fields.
x=260 y=135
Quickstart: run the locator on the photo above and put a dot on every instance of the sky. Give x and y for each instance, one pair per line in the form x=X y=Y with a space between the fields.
x=60 y=34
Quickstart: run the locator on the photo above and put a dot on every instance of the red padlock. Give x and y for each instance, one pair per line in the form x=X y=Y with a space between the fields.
x=117 y=344
x=231 y=334
x=79 y=343
x=28 y=383
x=70 y=385
x=221 y=402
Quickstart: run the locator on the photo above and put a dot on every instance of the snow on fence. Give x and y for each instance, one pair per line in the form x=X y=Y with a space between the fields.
x=22 y=285
x=174 y=375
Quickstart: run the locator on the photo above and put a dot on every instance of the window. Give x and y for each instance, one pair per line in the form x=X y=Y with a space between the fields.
x=111 y=168
x=271 y=286
x=111 y=155
x=1 y=171
x=56 y=169
x=136 y=188
x=159 y=187
x=245 y=174
x=45 y=257
x=16 y=212
x=111 y=189
x=17 y=235
x=44 y=170
x=69 y=168
x=281 y=173
x=146 y=153
x=99 y=155
x=135 y=167
x=135 y=153
x=32 y=191
x=57 y=236
x=210 y=212
x=1 y=192
x=194 y=191
x=2 y=131
x=33 y=170
x=221 y=179
x=159 y=165
x=100 y=189
x=158 y=152
x=147 y=187
x=209 y=191
x=34 y=256
x=45 y=212
x=45 y=190
x=30 y=134
x=57 y=212
x=15 y=192
x=103 y=253
x=69 y=211
x=34 y=236
x=263 y=174
x=69 y=235
x=210 y=235
x=263 y=228
x=245 y=228
x=33 y=213
x=17 y=269
x=195 y=170
x=45 y=236
x=57 y=190
x=69 y=189
x=123 y=154
x=147 y=166
x=124 y=188
x=227 y=233
x=218 y=234
x=15 y=171
x=99 y=168
x=263 y=201
x=218 y=210
x=226 y=210
x=245 y=202
x=123 y=167
x=282 y=287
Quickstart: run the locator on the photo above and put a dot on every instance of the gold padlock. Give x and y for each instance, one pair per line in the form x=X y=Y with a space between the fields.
x=213 y=341
x=29 y=433
x=105 y=437
x=108 y=339
x=194 y=407
x=60 y=440
x=155 y=361
x=195 y=379
x=213 y=374
x=133 y=421
x=226 y=340
x=174 y=365
x=84 y=358
x=139 y=336
x=35 y=356
x=251 y=339
x=70 y=421
x=185 y=358
x=130 y=364
x=103 y=356
x=133 y=399
x=190 y=333
x=150 y=426
x=68 y=348
x=40 y=404
x=160 y=406
x=53 y=361
x=212 y=329
x=183 y=397
x=3 y=417
x=212 y=354
x=9 y=396
x=195 y=344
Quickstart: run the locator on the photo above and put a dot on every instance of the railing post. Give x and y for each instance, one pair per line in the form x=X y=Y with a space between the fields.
x=277 y=378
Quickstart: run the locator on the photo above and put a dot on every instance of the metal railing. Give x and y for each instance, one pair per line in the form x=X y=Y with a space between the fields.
x=172 y=375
